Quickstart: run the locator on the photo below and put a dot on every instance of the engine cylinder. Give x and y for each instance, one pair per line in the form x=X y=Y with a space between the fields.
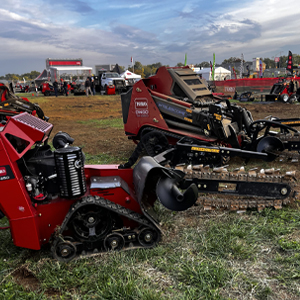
x=69 y=164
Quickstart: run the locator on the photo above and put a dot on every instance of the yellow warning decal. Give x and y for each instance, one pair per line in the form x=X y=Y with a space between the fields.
x=6 y=104
x=208 y=127
x=290 y=122
x=189 y=120
x=205 y=149
x=218 y=117
x=189 y=111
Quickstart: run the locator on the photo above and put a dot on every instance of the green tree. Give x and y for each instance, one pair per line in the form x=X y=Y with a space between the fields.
x=179 y=64
x=231 y=60
x=204 y=64
x=270 y=63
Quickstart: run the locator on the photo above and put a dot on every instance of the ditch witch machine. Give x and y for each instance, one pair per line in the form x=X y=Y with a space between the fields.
x=11 y=105
x=175 y=106
x=50 y=196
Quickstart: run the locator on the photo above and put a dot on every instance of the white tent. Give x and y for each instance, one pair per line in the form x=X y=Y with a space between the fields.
x=130 y=78
x=69 y=71
x=205 y=73
x=222 y=73
x=129 y=75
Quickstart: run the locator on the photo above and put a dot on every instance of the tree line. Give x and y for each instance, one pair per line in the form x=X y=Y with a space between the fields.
x=15 y=77
x=148 y=70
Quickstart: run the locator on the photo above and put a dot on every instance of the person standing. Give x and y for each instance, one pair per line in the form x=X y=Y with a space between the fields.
x=65 y=85
x=93 y=86
x=55 y=86
x=87 y=86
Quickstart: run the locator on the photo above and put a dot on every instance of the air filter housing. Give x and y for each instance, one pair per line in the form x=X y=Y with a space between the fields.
x=69 y=164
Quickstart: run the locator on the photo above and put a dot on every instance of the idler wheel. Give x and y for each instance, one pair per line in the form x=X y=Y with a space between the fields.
x=148 y=237
x=114 y=242
x=65 y=251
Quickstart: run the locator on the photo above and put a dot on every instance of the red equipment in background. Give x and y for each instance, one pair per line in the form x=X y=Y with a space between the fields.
x=48 y=89
x=110 y=89
x=11 y=105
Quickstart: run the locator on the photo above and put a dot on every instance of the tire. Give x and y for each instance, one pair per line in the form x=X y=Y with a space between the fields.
x=154 y=142
x=47 y=93
x=285 y=98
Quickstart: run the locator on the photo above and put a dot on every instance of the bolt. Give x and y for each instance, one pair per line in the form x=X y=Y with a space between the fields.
x=91 y=220
x=64 y=252
x=114 y=243
x=284 y=191
x=148 y=237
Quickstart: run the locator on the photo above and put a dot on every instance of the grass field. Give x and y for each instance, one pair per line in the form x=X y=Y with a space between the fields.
x=202 y=255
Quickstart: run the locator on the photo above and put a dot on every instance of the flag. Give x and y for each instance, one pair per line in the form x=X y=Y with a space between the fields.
x=234 y=72
x=213 y=68
x=185 y=59
x=260 y=69
x=131 y=60
x=289 y=66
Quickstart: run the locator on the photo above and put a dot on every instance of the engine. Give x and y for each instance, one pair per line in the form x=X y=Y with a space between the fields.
x=50 y=174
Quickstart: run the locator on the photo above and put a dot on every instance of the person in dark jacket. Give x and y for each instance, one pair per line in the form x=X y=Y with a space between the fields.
x=65 y=86
x=87 y=86
x=93 y=86
x=55 y=86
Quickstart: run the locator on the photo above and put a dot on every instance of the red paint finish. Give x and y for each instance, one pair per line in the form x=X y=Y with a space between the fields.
x=33 y=223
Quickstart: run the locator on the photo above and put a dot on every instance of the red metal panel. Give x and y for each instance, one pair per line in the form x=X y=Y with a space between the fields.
x=51 y=215
x=65 y=63
x=161 y=82
x=24 y=233
x=143 y=110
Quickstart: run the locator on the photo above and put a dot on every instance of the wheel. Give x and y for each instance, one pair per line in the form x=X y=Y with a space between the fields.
x=285 y=98
x=148 y=237
x=154 y=142
x=91 y=223
x=65 y=251
x=47 y=93
x=114 y=242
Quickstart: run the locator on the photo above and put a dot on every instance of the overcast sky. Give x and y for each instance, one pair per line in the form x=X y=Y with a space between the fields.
x=150 y=31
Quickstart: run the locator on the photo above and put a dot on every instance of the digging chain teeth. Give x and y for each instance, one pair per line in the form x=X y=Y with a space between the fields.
x=294 y=140
x=237 y=176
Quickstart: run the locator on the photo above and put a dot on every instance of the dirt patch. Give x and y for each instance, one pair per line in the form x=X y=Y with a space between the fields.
x=73 y=115
x=24 y=277
x=66 y=112
x=69 y=114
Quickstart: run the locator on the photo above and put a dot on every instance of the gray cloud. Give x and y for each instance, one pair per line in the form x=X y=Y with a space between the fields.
x=24 y=31
x=134 y=35
x=71 y=5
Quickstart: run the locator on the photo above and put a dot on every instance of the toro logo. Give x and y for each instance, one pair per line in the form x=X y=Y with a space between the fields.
x=141 y=103
x=3 y=171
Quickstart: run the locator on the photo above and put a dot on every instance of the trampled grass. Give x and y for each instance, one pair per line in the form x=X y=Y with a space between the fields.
x=219 y=255
x=104 y=123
